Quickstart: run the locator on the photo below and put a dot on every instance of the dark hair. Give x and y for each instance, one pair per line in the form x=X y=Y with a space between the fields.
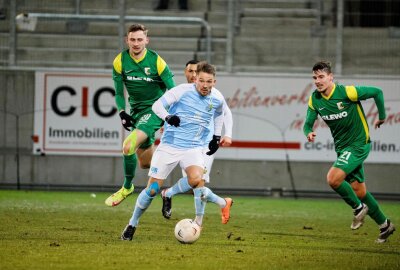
x=322 y=65
x=137 y=27
x=192 y=62
x=203 y=66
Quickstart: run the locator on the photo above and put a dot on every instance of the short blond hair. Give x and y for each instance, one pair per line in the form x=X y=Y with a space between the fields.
x=137 y=27
x=203 y=66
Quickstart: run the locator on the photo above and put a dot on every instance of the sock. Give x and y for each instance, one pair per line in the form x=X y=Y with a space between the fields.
x=142 y=203
x=199 y=220
x=348 y=195
x=181 y=186
x=212 y=197
x=199 y=203
x=129 y=169
x=373 y=209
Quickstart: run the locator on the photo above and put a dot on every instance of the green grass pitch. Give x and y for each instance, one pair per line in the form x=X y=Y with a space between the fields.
x=75 y=230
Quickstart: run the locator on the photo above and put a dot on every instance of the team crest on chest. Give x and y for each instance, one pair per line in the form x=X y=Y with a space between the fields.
x=340 y=105
x=210 y=105
x=147 y=70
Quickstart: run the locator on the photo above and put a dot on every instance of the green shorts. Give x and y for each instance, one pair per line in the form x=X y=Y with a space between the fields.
x=351 y=161
x=148 y=122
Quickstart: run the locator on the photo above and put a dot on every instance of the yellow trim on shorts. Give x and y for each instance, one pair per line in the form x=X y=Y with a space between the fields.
x=351 y=93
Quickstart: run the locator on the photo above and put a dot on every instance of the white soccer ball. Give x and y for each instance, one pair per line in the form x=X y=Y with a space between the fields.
x=187 y=231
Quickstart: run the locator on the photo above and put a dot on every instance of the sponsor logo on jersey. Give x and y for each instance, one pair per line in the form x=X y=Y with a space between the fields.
x=340 y=105
x=147 y=70
x=335 y=116
x=134 y=78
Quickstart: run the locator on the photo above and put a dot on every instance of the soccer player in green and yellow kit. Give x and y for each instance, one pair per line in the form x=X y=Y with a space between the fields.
x=339 y=106
x=146 y=77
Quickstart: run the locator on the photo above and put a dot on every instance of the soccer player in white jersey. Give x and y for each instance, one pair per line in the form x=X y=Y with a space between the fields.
x=191 y=108
x=182 y=185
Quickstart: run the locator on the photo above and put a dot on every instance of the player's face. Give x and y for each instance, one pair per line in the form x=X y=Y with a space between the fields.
x=323 y=81
x=190 y=73
x=137 y=42
x=204 y=83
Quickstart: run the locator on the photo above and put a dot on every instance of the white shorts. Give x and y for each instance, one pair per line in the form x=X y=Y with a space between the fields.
x=165 y=159
x=208 y=162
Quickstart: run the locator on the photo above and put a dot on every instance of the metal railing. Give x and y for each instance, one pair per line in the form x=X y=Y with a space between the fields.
x=116 y=18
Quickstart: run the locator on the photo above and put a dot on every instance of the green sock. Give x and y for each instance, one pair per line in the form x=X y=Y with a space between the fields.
x=348 y=195
x=373 y=209
x=129 y=169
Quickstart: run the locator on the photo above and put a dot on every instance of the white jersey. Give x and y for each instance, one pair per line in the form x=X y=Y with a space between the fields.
x=196 y=113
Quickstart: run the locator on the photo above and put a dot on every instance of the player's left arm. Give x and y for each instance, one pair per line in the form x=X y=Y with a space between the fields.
x=219 y=113
x=213 y=145
x=165 y=73
x=228 y=125
x=356 y=93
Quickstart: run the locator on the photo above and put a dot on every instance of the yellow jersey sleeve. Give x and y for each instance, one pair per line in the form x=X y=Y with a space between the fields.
x=310 y=103
x=351 y=93
x=117 y=63
x=161 y=64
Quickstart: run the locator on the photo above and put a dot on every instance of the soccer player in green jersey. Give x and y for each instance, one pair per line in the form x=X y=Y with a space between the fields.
x=339 y=106
x=146 y=77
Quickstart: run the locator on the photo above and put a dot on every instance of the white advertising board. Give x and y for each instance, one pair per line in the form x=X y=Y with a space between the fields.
x=76 y=114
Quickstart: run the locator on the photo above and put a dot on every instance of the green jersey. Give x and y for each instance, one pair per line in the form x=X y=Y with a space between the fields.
x=146 y=80
x=343 y=113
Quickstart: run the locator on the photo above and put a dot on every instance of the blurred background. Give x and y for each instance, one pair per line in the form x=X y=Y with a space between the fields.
x=242 y=38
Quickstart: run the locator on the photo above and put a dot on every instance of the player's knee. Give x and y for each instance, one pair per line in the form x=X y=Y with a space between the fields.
x=144 y=164
x=129 y=144
x=153 y=189
x=126 y=147
x=125 y=150
x=360 y=193
x=359 y=189
x=335 y=177
x=333 y=181
x=195 y=180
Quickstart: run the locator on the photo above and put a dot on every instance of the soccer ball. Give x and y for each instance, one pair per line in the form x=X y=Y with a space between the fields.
x=187 y=231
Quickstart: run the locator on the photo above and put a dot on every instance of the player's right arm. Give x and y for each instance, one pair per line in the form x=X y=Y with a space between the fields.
x=170 y=97
x=309 y=121
x=118 y=83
